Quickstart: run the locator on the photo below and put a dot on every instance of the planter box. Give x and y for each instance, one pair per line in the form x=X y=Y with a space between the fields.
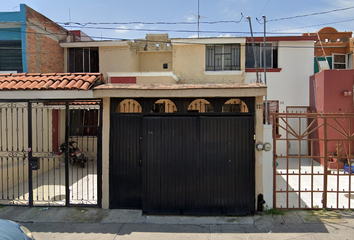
x=346 y=169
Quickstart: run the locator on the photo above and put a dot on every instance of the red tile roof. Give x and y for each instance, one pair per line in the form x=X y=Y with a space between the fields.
x=50 y=81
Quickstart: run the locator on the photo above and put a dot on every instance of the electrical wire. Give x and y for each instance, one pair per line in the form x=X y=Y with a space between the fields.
x=310 y=14
x=316 y=25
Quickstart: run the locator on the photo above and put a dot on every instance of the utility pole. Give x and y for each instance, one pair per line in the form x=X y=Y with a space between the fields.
x=253 y=48
x=265 y=71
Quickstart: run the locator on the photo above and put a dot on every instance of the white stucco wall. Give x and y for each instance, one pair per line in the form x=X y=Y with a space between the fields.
x=268 y=167
x=290 y=86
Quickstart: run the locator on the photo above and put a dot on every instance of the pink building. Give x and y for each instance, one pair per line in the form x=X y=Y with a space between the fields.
x=331 y=91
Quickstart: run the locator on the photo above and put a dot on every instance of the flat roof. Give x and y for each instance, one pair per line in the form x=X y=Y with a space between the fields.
x=181 y=90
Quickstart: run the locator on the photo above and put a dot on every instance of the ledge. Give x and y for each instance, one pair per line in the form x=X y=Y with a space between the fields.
x=218 y=73
x=262 y=70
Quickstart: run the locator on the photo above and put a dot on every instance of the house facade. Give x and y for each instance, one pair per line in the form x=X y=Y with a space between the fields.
x=173 y=110
x=178 y=120
x=289 y=65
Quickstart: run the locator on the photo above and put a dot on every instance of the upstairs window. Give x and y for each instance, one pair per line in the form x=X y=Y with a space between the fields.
x=83 y=60
x=222 y=57
x=271 y=55
x=11 y=56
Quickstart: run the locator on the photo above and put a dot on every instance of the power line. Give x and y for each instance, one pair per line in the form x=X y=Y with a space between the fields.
x=321 y=24
x=310 y=14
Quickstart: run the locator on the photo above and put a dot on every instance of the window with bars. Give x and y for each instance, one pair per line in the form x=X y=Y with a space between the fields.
x=222 y=57
x=11 y=56
x=83 y=60
x=339 y=61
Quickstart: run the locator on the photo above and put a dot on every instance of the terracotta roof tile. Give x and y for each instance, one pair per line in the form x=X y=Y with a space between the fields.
x=85 y=86
x=50 y=81
x=78 y=84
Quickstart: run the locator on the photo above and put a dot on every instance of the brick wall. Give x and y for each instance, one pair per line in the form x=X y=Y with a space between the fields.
x=44 y=53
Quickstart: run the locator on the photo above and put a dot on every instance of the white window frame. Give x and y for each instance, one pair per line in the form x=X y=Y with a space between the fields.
x=261 y=51
x=340 y=63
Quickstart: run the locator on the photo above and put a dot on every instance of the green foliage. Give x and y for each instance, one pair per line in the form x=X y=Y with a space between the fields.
x=273 y=211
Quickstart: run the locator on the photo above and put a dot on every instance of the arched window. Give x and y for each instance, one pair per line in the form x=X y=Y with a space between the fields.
x=201 y=106
x=164 y=106
x=129 y=106
x=234 y=105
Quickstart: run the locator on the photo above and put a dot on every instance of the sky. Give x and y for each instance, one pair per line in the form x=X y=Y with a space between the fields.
x=132 y=19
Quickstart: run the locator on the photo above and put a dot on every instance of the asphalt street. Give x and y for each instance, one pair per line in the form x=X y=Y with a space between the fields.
x=94 y=223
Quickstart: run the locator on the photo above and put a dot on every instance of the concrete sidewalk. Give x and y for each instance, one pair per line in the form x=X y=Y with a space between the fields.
x=95 y=223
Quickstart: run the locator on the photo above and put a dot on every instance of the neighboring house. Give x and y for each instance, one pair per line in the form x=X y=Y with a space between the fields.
x=331 y=91
x=29 y=42
x=40 y=115
x=333 y=49
x=288 y=68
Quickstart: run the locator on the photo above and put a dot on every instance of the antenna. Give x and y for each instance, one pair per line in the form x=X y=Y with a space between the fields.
x=70 y=19
x=198 y=18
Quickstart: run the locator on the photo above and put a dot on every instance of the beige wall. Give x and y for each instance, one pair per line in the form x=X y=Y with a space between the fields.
x=114 y=59
x=105 y=152
x=189 y=66
x=153 y=61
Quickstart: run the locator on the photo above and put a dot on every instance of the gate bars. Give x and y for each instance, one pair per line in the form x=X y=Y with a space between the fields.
x=33 y=170
x=313 y=160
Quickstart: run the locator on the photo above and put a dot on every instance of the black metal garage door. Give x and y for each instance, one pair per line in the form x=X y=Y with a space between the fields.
x=125 y=162
x=200 y=165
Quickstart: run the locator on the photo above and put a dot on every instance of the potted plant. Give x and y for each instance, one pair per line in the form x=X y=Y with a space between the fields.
x=335 y=158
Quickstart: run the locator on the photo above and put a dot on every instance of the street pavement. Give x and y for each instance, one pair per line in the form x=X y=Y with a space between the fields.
x=94 y=223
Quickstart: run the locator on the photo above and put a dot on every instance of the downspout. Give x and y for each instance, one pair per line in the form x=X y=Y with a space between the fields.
x=253 y=49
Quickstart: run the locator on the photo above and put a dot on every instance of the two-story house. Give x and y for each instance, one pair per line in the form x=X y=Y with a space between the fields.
x=333 y=49
x=157 y=83
x=180 y=123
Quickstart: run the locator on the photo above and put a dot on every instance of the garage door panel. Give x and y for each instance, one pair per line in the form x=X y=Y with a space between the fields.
x=206 y=165
x=125 y=167
x=166 y=164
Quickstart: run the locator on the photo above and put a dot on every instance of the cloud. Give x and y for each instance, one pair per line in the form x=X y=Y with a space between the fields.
x=191 y=18
x=140 y=26
x=193 y=36
x=226 y=35
x=121 y=29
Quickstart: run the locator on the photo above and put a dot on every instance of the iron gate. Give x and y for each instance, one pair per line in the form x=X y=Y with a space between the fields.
x=34 y=169
x=313 y=160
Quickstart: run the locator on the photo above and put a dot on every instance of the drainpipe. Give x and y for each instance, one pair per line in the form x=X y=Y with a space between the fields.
x=265 y=75
x=253 y=48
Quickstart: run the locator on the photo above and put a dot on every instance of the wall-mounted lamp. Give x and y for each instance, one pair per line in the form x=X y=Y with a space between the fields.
x=347 y=93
